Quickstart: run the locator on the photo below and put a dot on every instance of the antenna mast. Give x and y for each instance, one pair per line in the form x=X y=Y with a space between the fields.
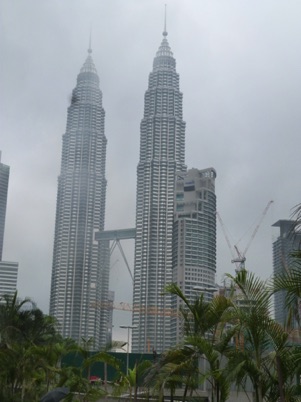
x=90 y=48
x=165 y=32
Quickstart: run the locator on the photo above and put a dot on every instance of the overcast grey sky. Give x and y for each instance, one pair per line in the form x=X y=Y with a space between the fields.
x=240 y=67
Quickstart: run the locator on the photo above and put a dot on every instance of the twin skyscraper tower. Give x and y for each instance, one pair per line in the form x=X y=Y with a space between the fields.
x=175 y=237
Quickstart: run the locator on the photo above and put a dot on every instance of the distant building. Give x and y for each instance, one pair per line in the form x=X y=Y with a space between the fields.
x=4 y=177
x=80 y=270
x=8 y=270
x=162 y=154
x=283 y=261
x=8 y=277
x=194 y=239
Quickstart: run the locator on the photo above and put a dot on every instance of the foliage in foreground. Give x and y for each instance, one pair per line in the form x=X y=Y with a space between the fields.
x=230 y=340
x=31 y=351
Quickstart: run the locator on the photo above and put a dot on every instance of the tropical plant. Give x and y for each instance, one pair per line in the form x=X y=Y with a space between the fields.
x=296 y=216
x=27 y=350
x=204 y=335
x=290 y=284
x=262 y=352
x=77 y=378
x=130 y=382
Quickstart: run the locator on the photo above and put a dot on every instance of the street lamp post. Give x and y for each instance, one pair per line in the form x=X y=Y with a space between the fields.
x=128 y=327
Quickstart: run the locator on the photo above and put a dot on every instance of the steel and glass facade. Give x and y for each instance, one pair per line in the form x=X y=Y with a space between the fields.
x=80 y=270
x=194 y=239
x=162 y=154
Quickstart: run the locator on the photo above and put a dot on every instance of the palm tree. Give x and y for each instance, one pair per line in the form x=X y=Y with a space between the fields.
x=27 y=355
x=204 y=336
x=131 y=381
x=77 y=379
x=296 y=215
x=290 y=283
x=262 y=352
x=166 y=373
x=13 y=318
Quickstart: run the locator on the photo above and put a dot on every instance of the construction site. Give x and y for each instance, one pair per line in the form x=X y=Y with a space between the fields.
x=120 y=305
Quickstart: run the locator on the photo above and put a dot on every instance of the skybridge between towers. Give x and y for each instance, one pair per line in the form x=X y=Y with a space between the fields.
x=116 y=236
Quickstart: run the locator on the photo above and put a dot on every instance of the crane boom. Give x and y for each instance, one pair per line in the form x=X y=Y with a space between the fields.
x=122 y=306
x=240 y=259
x=225 y=233
x=257 y=226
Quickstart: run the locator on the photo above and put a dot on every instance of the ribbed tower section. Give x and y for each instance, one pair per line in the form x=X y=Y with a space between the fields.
x=80 y=271
x=162 y=154
x=4 y=178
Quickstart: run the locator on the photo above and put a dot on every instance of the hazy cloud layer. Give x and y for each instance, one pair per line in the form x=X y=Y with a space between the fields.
x=240 y=67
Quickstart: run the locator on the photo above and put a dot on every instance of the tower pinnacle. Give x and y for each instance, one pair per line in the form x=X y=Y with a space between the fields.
x=90 y=49
x=165 y=32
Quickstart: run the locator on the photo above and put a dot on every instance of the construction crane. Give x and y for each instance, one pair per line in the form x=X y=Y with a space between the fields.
x=240 y=259
x=122 y=306
x=226 y=236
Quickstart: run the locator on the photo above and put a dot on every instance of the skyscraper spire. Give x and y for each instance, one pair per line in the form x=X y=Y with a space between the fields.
x=165 y=32
x=89 y=66
x=90 y=48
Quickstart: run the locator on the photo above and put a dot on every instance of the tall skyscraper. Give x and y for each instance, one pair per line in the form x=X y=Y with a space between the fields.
x=162 y=154
x=4 y=177
x=288 y=240
x=80 y=270
x=8 y=270
x=194 y=239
